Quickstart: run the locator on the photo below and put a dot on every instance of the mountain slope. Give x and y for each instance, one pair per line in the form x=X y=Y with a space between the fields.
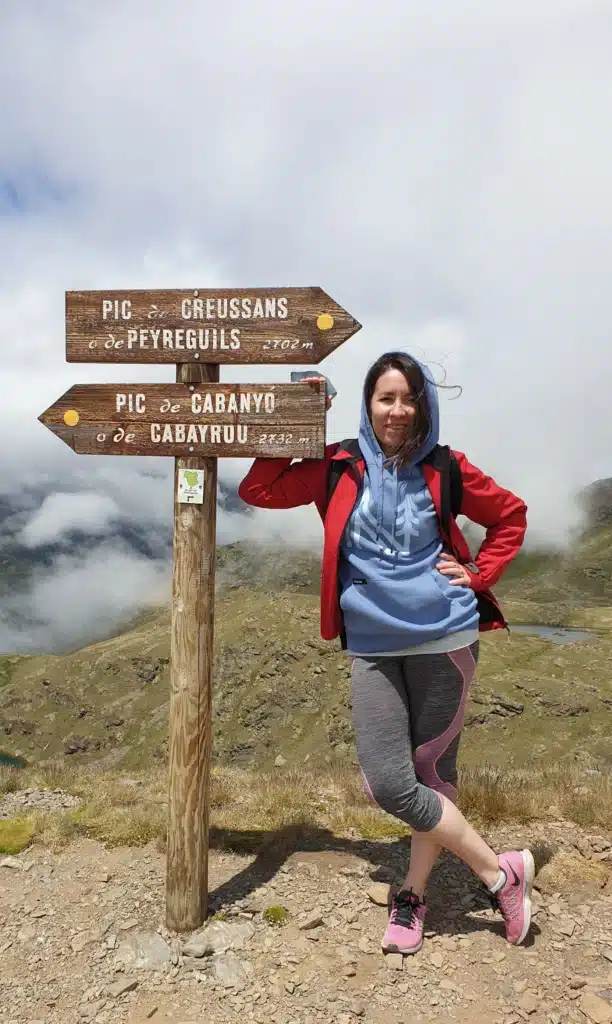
x=280 y=690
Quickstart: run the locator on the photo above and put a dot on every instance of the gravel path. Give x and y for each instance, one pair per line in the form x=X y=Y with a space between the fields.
x=82 y=940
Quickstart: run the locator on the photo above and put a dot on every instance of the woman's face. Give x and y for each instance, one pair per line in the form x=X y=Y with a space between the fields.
x=392 y=410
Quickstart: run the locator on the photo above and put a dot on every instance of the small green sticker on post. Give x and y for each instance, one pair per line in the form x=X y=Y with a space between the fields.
x=191 y=486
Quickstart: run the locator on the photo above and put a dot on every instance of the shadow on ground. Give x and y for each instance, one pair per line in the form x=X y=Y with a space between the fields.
x=455 y=892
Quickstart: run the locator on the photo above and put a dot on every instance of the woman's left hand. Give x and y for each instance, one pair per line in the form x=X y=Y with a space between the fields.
x=449 y=566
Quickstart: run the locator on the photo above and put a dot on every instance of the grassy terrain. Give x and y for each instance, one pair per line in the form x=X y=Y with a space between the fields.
x=538 y=737
x=251 y=810
x=280 y=690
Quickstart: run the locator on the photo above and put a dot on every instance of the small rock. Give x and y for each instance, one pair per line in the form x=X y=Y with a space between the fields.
x=576 y=983
x=378 y=893
x=89 y=995
x=11 y=862
x=196 y=963
x=313 y=920
x=144 y=951
x=280 y=761
x=119 y=988
x=394 y=961
x=597 y=1010
x=151 y=1012
x=127 y=926
x=529 y=1002
x=607 y=953
x=437 y=960
x=584 y=847
x=349 y=971
x=567 y=927
x=218 y=937
x=91 y=1009
x=229 y=971
x=26 y=934
x=520 y=986
x=353 y=870
x=80 y=941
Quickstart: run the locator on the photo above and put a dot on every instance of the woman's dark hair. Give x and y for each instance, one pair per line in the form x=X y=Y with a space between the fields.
x=416 y=379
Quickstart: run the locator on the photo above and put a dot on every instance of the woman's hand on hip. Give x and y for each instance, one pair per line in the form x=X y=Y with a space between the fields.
x=449 y=566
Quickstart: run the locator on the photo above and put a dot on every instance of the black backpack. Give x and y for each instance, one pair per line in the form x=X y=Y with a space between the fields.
x=440 y=457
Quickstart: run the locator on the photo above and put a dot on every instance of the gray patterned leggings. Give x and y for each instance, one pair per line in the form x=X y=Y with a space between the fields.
x=408 y=714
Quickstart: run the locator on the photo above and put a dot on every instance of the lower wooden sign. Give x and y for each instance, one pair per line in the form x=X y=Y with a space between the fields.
x=223 y=420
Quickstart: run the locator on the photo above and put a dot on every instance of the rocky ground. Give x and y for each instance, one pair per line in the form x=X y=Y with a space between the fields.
x=82 y=938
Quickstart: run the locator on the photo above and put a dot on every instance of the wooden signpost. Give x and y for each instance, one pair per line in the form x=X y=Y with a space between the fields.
x=218 y=420
x=196 y=420
x=257 y=325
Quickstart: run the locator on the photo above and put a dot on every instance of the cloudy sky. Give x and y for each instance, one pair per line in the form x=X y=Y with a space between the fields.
x=442 y=170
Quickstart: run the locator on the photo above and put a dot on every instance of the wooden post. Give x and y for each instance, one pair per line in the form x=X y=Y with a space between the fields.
x=191 y=661
x=287 y=421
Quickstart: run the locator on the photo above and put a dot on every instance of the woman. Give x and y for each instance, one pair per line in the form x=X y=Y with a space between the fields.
x=409 y=603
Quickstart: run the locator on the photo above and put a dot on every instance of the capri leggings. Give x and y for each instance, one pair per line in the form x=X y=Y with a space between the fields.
x=408 y=714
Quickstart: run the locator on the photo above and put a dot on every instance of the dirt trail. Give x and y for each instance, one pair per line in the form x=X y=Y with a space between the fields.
x=70 y=921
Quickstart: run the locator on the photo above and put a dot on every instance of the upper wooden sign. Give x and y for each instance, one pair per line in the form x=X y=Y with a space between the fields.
x=183 y=420
x=225 y=325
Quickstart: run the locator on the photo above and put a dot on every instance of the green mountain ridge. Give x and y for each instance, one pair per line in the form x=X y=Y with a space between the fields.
x=279 y=689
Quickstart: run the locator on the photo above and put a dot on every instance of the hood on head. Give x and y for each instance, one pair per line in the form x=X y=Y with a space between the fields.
x=368 y=441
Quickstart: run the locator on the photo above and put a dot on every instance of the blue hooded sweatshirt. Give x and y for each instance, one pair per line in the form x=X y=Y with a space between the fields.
x=392 y=596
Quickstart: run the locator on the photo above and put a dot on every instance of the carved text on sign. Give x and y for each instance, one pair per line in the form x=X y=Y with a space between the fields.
x=289 y=325
x=179 y=419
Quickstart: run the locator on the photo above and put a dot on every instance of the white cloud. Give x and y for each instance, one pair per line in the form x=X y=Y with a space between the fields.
x=60 y=514
x=82 y=599
x=441 y=169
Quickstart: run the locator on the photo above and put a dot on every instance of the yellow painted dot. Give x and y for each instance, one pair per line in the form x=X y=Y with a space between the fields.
x=71 y=417
x=325 y=322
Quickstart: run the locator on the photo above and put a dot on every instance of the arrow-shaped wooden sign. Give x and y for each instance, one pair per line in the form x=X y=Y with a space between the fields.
x=184 y=420
x=240 y=325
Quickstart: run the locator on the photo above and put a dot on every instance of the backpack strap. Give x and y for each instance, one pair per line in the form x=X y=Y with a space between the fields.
x=456 y=486
x=337 y=466
x=451 y=484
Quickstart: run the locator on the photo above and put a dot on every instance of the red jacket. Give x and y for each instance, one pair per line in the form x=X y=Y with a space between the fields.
x=281 y=483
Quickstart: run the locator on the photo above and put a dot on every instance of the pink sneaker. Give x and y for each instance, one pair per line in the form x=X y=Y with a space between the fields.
x=514 y=898
x=404 y=932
